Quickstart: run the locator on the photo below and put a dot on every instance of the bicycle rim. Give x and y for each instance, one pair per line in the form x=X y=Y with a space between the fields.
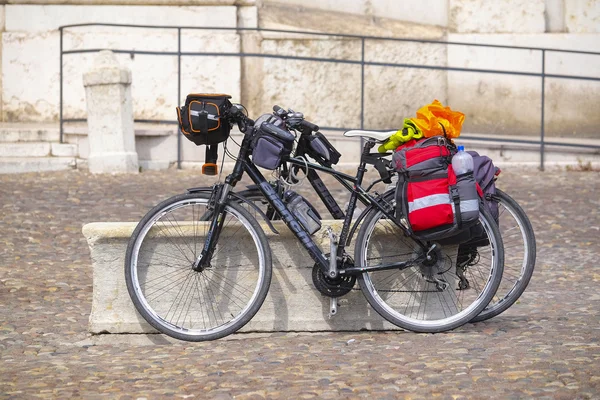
x=519 y=255
x=426 y=298
x=192 y=305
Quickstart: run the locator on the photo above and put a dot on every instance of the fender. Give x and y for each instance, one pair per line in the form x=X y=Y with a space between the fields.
x=209 y=189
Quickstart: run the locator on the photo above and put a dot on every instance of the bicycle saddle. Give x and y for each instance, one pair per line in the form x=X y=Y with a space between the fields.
x=380 y=136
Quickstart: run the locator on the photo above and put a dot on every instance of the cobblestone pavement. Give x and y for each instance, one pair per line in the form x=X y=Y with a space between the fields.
x=545 y=346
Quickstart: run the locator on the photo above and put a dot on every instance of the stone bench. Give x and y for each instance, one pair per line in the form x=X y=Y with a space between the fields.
x=293 y=303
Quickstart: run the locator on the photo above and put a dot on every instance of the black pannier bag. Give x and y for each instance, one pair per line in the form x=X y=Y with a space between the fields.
x=202 y=120
x=271 y=145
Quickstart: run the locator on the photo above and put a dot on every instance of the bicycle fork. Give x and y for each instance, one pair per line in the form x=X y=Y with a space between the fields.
x=217 y=201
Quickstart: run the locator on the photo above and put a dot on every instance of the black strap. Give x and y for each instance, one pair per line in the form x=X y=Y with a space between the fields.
x=203 y=120
x=456 y=199
x=211 y=154
x=384 y=172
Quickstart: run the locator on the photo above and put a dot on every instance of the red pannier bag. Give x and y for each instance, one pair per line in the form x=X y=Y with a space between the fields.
x=429 y=193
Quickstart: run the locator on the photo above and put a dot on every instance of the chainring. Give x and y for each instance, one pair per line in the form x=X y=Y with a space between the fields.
x=333 y=287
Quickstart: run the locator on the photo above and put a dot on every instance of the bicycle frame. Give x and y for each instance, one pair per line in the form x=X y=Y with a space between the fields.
x=319 y=187
x=245 y=165
x=315 y=180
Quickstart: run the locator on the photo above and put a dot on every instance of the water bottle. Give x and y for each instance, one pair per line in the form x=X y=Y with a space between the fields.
x=462 y=162
x=303 y=211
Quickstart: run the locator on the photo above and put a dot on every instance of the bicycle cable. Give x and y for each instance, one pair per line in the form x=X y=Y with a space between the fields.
x=223 y=160
x=292 y=175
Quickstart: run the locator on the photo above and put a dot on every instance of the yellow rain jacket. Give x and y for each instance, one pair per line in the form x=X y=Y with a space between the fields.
x=430 y=117
x=409 y=131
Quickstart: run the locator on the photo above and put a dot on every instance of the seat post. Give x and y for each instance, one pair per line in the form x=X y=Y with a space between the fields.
x=362 y=167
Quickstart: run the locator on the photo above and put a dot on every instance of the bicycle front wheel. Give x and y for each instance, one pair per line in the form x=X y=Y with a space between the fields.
x=433 y=296
x=519 y=255
x=197 y=305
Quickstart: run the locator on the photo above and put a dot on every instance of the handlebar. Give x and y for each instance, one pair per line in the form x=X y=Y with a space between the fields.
x=295 y=119
x=235 y=115
x=310 y=125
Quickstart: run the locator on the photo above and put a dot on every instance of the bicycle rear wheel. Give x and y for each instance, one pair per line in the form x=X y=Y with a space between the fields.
x=197 y=305
x=519 y=255
x=427 y=297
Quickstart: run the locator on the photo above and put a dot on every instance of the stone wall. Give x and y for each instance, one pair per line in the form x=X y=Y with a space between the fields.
x=510 y=104
x=328 y=93
x=30 y=57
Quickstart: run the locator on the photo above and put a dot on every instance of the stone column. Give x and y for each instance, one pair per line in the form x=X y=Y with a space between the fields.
x=110 y=116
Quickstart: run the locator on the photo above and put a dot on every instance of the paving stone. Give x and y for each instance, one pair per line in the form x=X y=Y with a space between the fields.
x=546 y=346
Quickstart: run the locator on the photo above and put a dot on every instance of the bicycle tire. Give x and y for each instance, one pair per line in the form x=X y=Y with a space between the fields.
x=401 y=296
x=519 y=259
x=203 y=305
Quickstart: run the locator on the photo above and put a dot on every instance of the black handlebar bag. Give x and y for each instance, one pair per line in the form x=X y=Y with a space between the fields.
x=202 y=120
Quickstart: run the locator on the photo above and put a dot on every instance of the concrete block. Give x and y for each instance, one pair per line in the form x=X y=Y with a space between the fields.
x=148 y=165
x=507 y=16
x=521 y=154
x=2 y=18
x=64 y=150
x=555 y=16
x=430 y=12
x=582 y=16
x=509 y=104
x=110 y=116
x=32 y=149
x=31 y=85
x=11 y=132
x=395 y=93
x=15 y=165
x=352 y=7
x=293 y=304
x=36 y=18
x=248 y=17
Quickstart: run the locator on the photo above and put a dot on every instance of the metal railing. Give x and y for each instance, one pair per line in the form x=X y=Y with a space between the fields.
x=362 y=62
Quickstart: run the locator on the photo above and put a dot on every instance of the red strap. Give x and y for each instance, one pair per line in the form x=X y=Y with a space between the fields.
x=479 y=190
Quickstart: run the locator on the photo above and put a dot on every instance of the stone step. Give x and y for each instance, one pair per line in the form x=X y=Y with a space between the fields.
x=29 y=132
x=15 y=165
x=25 y=149
x=38 y=149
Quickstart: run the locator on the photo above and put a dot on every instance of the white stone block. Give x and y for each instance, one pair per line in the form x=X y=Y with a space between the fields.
x=2 y=18
x=64 y=150
x=17 y=165
x=506 y=16
x=352 y=7
x=31 y=149
x=149 y=165
x=430 y=12
x=327 y=93
x=31 y=83
x=582 y=16
x=110 y=116
x=248 y=17
x=30 y=71
x=293 y=304
x=395 y=93
x=509 y=104
x=29 y=132
x=40 y=18
x=555 y=16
